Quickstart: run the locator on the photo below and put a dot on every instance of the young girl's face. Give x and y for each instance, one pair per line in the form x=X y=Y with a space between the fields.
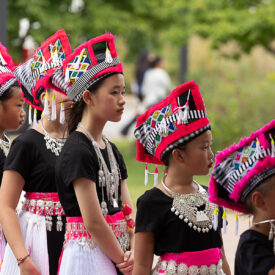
x=198 y=154
x=109 y=98
x=12 y=113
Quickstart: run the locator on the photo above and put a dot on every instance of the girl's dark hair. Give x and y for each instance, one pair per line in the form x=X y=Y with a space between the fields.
x=165 y=158
x=9 y=93
x=263 y=188
x=76 y=111
x=155 y=62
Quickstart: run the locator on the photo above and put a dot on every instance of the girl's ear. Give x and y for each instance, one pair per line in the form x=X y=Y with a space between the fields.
x=88 y=98
x=42 y=98
x=258 y=200
x=178 y=156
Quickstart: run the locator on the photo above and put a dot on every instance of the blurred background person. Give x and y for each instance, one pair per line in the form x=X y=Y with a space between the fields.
x=156 y=83
x=143 y=64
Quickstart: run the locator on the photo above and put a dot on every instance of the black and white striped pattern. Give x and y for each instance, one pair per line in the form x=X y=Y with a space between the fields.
x=255 y=181
x=4 y=69
x=7 y=85
x=25 y=75
x=227 y=176
x=82 y=83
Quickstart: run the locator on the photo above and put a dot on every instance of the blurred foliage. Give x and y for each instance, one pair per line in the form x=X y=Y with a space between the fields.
x=239 y=96
x=148 y=24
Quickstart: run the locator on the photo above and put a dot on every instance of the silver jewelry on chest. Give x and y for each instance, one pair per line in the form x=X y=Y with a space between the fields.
x=5 y=145
x=186 y=207
x=53 y=143
x=107 y=179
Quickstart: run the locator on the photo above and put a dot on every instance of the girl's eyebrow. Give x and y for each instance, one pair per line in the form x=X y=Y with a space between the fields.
x=118 y=87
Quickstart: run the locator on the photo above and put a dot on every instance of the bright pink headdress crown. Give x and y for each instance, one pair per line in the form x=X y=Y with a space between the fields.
x=241 y=168
x=90 y=62
x=178 y=118
x=7 y=78
x=36 y=71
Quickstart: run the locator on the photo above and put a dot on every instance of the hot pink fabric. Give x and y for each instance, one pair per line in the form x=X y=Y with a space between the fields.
x=6 y=56
x=42 y=196
x=197 y=258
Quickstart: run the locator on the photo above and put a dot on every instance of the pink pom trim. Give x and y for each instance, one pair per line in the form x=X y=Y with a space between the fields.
x=6 y=56
x=4 y=77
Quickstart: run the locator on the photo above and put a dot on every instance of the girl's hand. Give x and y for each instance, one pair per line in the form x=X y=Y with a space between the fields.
x=126 y=267
x=29 y=268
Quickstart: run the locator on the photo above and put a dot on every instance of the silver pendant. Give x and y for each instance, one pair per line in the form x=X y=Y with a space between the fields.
x=115 y=204
x=201 y=217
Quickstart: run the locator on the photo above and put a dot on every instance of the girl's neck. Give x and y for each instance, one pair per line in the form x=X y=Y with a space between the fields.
x=263 y=228
x=53 y=128
x=180 y=182
x=95 y=128
x=2 y=134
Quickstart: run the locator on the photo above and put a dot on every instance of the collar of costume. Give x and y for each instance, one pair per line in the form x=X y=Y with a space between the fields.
x=179 y=117
x=7 y=78
x=90 y=62
x=36 y=71
x=240 y=168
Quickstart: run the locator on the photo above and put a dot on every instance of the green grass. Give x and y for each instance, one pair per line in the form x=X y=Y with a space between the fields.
x=136 y=169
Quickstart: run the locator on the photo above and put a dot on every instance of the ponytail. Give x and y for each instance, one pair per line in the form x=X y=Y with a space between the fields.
x=75 y=115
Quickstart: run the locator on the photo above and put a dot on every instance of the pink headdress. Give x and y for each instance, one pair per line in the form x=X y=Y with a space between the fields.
x=89 y=63
x=7 y=78
x=179 y=117
x=242 y=167
x=36 y=71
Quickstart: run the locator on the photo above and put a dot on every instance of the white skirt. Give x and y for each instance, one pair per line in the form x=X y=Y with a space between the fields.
x=79 y=258
x=33 y=228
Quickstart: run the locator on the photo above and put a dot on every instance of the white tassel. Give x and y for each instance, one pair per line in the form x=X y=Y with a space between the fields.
x=30 y=115
x=53 y=115
x=46 y=111
x=44 y=65
x=146 y=175
x=215 y=219
x=62 y=113
x=224 y=222
x=249 y=222
x=67 y=75
x=77 y=63
x=108 y=56
x=56 y=59
x=3 y=61
x=258 y=148
x=272 y=146
x=34 y=117
x=236 y=224
x=156 y=174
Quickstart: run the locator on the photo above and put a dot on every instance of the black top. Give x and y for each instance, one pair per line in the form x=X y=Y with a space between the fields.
x=29 y=156
x=78 y=159
x=2 y=162
x=171 y=234
x=254 y=254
